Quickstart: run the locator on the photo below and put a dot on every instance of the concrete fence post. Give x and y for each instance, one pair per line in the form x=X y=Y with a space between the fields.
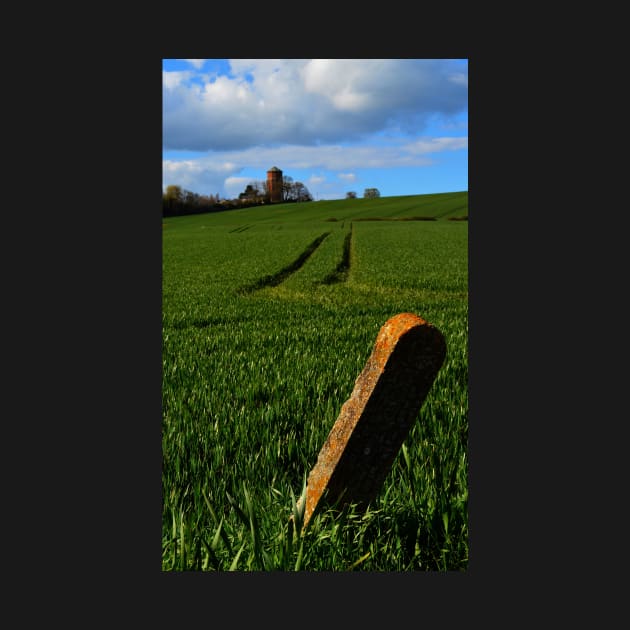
x=373 y=423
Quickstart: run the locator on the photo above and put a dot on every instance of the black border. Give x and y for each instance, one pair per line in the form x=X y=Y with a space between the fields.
x=125 y=407
x=87 y=309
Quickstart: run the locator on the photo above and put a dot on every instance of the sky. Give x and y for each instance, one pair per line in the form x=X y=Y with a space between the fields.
x=335 y=125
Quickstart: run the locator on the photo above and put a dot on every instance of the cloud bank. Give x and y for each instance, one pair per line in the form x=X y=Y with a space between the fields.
x=211 y=172
x=272 y=102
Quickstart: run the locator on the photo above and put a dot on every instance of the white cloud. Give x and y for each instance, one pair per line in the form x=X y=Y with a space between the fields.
x=200 y=176
x=171 y=80
x=347 y=177
x=333 y=157
x=218 y=171
x=460 y=125
x=435 y=145
x=342 y=82
x=307 y=102
x=459 y=78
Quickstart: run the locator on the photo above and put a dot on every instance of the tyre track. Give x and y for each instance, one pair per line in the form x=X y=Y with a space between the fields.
x=275 y=279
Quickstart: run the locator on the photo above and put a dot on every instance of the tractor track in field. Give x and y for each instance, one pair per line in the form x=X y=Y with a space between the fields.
x=240 y=228
x=340 y=274
x=273 y=280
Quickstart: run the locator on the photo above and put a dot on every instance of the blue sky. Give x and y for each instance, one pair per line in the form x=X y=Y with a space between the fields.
x=336 y=125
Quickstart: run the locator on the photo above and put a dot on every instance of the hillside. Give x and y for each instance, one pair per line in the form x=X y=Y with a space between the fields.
x=439 y=206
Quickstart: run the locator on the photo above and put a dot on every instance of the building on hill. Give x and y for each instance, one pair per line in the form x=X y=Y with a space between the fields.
x=274 y=184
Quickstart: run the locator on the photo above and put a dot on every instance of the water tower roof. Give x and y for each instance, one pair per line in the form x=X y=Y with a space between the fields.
x=274 y=168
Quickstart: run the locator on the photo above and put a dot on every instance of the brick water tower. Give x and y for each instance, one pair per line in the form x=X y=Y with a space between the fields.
x=274 y=184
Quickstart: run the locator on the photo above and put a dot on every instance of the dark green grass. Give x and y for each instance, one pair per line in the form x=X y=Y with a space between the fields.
x=281 y=216
x=253 y=383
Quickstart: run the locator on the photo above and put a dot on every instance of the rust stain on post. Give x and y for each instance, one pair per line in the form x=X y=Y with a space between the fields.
x=373 y=423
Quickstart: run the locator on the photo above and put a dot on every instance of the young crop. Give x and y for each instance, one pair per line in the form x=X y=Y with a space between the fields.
x=253 y=381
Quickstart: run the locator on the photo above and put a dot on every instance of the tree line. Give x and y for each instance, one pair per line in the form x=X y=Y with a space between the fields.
x=368 y=193
x=178 y=201
x=258 y=192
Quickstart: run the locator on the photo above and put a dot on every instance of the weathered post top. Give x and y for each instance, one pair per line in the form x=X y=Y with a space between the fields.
x=373 y=423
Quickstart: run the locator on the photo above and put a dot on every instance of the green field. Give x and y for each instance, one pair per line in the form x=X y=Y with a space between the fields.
x=269 y=314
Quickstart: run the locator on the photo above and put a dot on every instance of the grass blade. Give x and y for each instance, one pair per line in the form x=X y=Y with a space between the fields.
x=359 y=561
x=236 y=558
